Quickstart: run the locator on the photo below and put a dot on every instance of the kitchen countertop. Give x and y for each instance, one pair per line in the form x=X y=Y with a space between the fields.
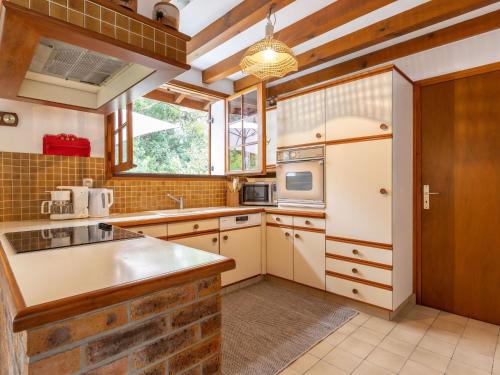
x=50 y=283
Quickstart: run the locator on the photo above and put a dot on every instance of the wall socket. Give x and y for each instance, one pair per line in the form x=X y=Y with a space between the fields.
x=88 y=182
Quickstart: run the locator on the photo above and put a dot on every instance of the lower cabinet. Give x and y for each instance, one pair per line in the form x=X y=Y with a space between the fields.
x=244 y=246
x=280 y=252
x=205 y=242
x=309 y=258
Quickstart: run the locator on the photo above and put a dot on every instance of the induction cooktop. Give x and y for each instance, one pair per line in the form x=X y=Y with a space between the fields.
x=56 y=238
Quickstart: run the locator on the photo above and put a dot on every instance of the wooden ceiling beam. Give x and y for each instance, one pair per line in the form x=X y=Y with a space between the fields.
x=411 y=20
x=200 y=90
x=325 y=19
x=169 y=97
x=466 y=29
x=238 y=19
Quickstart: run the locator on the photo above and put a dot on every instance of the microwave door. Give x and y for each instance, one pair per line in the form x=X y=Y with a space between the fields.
x=301 y=181
x=256 y=194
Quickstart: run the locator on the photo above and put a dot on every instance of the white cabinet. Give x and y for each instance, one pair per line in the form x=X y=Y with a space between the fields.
x=271 y=136
x=359 y=108
x=309 y=258
x=301 y=119
x=185 y=227
x=157 y=230
x=205 y=242
x=280 y=252
x=244 y=246
x=359 y=191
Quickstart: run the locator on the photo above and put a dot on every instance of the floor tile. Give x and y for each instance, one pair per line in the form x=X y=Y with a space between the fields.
x=367 y=335
x=457 y=368
x=367 y=368
x=473 y=359
x=386 y=359
x=462 y=320
x=324 y=368
x=335 y=338
x=379 y=325
x=289 y=371
x=435 y=361
x=304 y=363
x=426 y=310
x=321 y=349
x=415 y=368
x=418 y=317
x=484 y=346
x=395 y=346
x=448 y=325
x=496 y=367
x=360 y=319
x=477 y=324
x=437 y=346
x=347 y=328
x=443 y=335
x=406 y=334
x=357 y=347
x=342 y=359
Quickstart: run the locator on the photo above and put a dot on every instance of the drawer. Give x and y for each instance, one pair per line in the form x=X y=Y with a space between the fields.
x=280 y=219
x=159 y=230
x=307 y=222
x=360 y=252
x=194 y=226
x=360 y=271
x=364 y=293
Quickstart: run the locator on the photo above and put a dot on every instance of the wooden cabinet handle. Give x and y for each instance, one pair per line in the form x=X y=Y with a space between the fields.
x=383 y=191
x=354 y=291
x=354 y=270
x=278 y=219
x=307 y=222
x=287 y=234
x=297 y=235
x=214 y=240
x=355 y=252
x=318 y=135
x=384 y=127
x=196 y=226
x=140 y=232
x=225 y=238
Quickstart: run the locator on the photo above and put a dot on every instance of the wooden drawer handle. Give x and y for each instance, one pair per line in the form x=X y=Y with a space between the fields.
x=225 y=238
x=383 y=191
x=307 y=222
x=278 y=219
x=214 y=240
x=384 y=127
x=297 y=235
x=196 y=226
x=287 y=234
x=355 y=291
x=354 y=270
x=355 y=252
x=140 y=232
x=318 y=135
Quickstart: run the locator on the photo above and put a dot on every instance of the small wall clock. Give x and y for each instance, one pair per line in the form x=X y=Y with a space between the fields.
x=8 y=119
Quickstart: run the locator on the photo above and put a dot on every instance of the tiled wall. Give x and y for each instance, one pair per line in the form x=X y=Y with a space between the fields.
x=25 y=180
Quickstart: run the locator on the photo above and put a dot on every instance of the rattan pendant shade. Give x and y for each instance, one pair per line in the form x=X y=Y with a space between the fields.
x=269 y=57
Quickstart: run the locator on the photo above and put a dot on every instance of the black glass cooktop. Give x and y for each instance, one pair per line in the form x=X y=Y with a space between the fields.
x=45 y=239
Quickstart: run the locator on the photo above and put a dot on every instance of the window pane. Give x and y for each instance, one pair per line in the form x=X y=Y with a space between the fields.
x=250 y=104
x=235 y=134
x=169 y=139
x=235 y=160
x=124 y=143
x=299 y=181
x=250 y=130
x=251 y=157
x=234 y=110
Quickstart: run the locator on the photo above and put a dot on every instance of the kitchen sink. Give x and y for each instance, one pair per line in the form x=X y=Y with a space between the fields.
x=188 y=211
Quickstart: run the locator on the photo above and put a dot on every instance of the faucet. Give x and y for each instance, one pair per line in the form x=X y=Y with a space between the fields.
x=179 y=200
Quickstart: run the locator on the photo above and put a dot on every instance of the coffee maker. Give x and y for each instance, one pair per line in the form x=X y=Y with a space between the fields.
x=67 y=202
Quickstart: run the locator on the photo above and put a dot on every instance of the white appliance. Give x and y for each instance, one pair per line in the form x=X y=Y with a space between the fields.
x=100 y=201
x=258 y=193
x=239 y=221
x=300 y=174
x=69 y=202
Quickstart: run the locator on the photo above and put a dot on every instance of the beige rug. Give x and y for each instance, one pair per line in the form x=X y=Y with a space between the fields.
x=266 y=326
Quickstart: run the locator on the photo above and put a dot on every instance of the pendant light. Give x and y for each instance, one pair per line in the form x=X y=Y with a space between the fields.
x=269 y=57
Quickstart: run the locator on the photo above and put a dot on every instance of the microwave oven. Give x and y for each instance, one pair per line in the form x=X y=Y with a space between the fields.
x=258 y=194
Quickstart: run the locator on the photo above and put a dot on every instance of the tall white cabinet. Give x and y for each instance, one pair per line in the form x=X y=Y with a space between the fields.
x=369 y=187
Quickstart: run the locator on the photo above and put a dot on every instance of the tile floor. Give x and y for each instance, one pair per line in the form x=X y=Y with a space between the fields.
x=423 y=341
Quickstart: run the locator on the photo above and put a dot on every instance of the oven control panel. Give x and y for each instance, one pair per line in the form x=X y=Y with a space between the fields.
x=317 y=152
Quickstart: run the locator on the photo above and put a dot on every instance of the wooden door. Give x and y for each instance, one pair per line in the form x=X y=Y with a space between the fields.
x=309 y=258
x=460 y=259
x=280 y=252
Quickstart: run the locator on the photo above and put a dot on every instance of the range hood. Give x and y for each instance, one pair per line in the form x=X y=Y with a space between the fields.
x=94 y=64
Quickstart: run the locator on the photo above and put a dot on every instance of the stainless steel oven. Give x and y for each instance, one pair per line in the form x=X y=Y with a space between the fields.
x=258 y=194
x=300 y=177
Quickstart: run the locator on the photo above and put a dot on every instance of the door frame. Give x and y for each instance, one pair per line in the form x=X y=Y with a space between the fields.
x=417 y=162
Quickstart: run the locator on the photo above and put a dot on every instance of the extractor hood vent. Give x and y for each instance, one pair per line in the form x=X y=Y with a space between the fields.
x=73 y=63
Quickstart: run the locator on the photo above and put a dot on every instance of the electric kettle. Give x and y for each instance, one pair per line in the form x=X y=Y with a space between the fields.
x=100 y=200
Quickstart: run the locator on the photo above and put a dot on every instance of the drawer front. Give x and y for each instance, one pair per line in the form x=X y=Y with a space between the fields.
x=280 y=219
x=306 y=222
x=365 y=293
x=360 y=271
x=192 y=226
x=360 y=252
x=205 y=242
x=151 y=230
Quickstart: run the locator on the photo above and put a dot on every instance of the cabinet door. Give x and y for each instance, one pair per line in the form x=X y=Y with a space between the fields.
x=280 y=252
x=206 y=242
x=301 y=119
x=271 y=136
x=244 y=246
x=359 y=108
x=358 y=186
x=309 y=258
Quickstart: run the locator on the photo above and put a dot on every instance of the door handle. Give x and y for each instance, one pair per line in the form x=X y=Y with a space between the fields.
x=427 y=196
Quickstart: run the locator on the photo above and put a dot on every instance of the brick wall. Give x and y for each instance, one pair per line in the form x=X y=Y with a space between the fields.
x=26 y=178
x=170 y=332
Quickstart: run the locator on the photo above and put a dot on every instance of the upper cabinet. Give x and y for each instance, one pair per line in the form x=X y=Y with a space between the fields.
x=359 y=108
x=246 y=132
x=301 y=119
x=95 y=58
x=271 y=137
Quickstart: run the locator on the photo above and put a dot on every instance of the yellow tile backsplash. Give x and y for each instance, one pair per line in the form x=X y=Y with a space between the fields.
x=26 y=179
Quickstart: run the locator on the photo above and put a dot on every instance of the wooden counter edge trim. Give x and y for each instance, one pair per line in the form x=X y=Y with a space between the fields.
x=359 y=139
x=360 y=261
x=305 y=229
x=11 y=286
x=360 y=242
x=31 y=317
x=310 y=214
x=190 y=234
x=358 y=280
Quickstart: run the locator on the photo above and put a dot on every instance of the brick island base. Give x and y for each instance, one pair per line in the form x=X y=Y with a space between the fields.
x=174 y=331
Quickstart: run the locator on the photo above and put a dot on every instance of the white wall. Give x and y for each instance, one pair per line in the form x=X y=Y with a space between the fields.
x=37 y=120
